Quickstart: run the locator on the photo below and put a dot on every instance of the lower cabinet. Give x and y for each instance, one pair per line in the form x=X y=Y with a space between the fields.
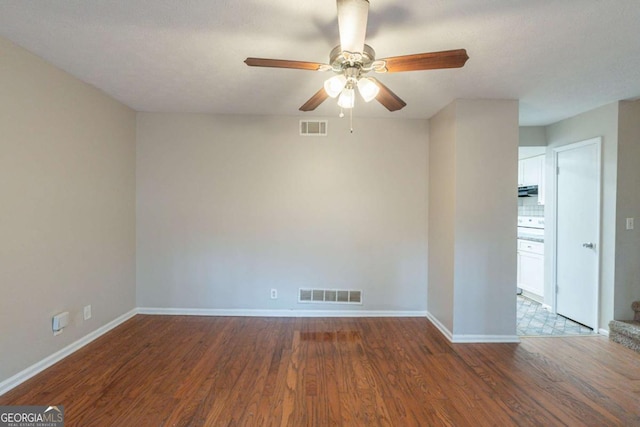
x=531 y=267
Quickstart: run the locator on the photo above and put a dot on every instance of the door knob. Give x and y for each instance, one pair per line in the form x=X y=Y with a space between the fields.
x=588 y=245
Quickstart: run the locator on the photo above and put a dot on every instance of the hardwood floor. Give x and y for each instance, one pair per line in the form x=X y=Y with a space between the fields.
x=224 y=371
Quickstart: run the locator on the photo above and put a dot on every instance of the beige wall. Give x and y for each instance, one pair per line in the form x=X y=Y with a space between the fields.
x=486 y=216
x=442 y=208
x=472 y=214
x=602 y=122
x=627 y=254
x=67 y=158
x=229 y=207
x=532 y=136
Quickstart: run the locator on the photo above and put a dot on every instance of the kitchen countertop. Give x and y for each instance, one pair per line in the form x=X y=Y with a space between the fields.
x=532 y=238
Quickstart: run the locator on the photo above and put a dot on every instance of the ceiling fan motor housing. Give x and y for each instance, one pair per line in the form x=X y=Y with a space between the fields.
x=341 y=60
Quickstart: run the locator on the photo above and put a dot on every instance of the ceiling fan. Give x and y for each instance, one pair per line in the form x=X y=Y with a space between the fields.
x=353 y=59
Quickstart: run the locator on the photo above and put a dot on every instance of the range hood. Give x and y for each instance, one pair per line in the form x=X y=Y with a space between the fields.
x=528 y=191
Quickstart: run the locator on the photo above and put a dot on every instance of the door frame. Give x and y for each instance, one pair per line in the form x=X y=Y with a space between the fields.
x=554 y=232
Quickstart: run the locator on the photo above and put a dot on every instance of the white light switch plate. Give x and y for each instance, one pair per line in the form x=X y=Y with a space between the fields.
x=629 y=223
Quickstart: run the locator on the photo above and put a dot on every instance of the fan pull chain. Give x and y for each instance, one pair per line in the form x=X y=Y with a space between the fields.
x=351 y=120
x=341 y=115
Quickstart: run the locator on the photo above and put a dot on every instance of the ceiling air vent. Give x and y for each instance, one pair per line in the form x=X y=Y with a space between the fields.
x=330 y=296
x=313 y=127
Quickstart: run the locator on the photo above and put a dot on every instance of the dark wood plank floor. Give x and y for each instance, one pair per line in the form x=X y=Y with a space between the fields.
x=224 y=371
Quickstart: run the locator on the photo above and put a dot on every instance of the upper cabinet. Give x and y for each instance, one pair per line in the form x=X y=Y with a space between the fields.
x=531 y=172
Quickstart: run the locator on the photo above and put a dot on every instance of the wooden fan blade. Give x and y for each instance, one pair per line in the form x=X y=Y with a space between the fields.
x=315 y=100
x=283 y=63
x=387 y=98
x=427 y=61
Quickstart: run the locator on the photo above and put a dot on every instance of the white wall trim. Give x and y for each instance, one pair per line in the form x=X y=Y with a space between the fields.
x=277 y=313
x=40 y=366
x=443 y=329
x=457 y=338
x=604 y=332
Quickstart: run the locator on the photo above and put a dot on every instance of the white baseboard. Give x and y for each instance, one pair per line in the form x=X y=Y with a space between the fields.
x=458 y=338
x=532 y=296
x=277 y=313
x=604 y=332
x=40 y=366
x=443 y=329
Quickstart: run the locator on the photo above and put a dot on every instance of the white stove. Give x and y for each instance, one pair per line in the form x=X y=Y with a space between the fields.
x=531 y=228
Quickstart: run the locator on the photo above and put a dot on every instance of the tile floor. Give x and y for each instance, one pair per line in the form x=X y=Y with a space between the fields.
x=535 y=320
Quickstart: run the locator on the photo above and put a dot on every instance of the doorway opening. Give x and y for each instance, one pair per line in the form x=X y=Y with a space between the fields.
x=531 y=315
x=538 y=313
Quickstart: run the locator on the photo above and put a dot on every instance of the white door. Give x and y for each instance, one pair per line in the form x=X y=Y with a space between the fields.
x=577 y=231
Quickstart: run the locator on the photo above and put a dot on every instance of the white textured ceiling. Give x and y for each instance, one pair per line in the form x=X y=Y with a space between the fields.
x=558 y=57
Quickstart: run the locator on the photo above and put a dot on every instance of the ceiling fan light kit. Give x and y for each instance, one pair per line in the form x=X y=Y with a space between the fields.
x=343 y=85
x=353 y=59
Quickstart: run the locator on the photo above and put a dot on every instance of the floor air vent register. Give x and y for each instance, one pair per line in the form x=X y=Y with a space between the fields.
x=330 y=296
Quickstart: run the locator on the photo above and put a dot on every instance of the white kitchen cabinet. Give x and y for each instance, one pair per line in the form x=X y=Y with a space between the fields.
x=520 y=173
x=531 y=171
x=531 y=267
x=543 y=179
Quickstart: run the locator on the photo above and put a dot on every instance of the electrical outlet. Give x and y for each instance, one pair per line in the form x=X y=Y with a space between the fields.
x=274 y=294
x=59 y=322
x=629 y=223
x=87 y=312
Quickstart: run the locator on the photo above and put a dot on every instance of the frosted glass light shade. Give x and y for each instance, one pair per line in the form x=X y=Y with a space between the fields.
x=347 y=98
x=368 y=89
x=334 y=85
